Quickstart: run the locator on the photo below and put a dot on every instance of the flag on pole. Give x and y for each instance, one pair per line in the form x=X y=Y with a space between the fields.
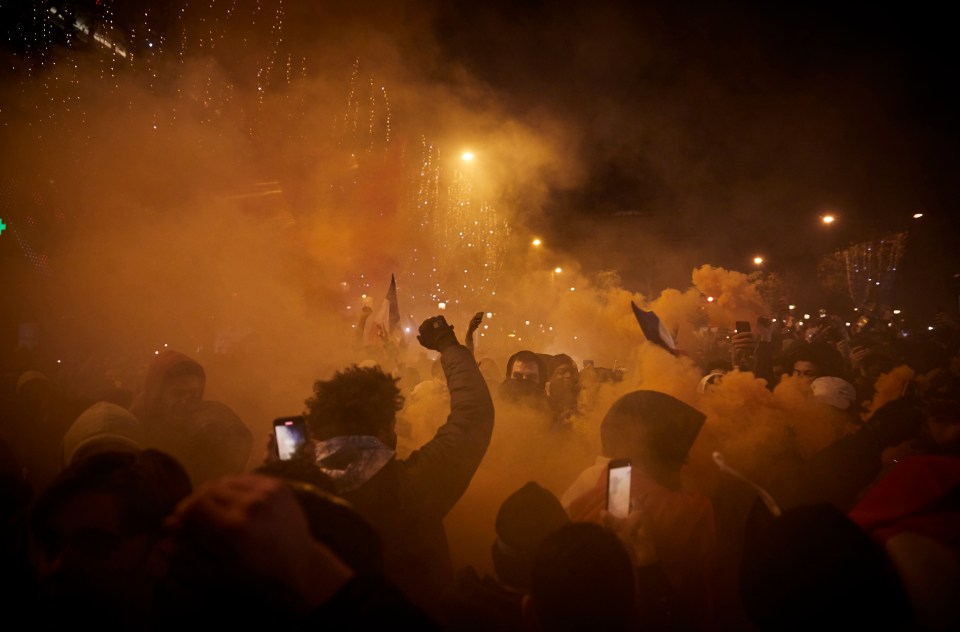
x=385 y=322
x=393 y=315
x=653 y=329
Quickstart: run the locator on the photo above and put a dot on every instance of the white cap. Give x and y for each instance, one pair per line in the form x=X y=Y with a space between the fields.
x=710 y=379
x=835 y=391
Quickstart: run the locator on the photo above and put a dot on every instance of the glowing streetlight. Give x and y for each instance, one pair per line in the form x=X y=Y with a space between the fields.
x=441 y=305
x=536 y=242
x=558 y=269
x=709 y=299
x=917 y=215
x=828 y=219
x=758 y=260
x=467 y=156
x=791 y=307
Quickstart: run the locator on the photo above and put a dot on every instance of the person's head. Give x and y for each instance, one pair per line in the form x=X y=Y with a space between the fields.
x=524 y=519
x=812 y=360
x=941 y=408
x=834 y=391
x=355 y=401
x=174 y=386
x=805 y=369
x=97 y=524
x=526 y=366
x=33 y=389
x=582 y=579
x=104 y=427
x=653 y=429
x=815 y=568
x=562 y=372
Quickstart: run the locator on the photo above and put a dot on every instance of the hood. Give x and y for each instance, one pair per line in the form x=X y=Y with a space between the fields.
x=163 y=365
x=104 y=427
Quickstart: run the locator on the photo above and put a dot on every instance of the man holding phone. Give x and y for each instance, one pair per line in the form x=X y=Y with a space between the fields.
x=352 y=421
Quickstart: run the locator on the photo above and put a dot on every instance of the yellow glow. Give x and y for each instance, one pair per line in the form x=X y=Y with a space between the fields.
x=917 y=215
x=828 y=219
x=489 y=314
x=558 y=269
x=758 y=260
x=709 y=299
x=536 y=241
x=441 y=305
x=467 y=155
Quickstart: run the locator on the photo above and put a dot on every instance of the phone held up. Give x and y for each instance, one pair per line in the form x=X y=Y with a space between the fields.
x=741 y=326
x=618 y=487
x=290 y=433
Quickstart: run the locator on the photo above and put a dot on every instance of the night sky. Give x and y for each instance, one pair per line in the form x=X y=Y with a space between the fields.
x=730 y=129
x=701 y=133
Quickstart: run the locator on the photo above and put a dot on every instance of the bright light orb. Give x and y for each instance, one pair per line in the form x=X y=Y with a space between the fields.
x=828 y=219
x=441 y=305
x=536 y=242
x=558 y=269
x=467 y=156
x=917 y=215
x=758 y=260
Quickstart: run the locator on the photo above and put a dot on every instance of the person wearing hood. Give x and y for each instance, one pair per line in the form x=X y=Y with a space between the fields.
x=104 y=427
x=352 y=422
x=207 y=437
x=525 y=381
x=655 y=432
x=563 y=388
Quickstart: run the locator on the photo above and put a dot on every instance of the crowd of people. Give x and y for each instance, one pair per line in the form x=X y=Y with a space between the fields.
x=153 y=509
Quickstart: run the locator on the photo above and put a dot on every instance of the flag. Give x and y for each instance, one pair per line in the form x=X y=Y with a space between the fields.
x=393 y=315
x=385 y=322
x=653 y=329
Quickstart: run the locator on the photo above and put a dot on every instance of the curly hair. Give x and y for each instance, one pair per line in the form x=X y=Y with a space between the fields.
x=355 y=401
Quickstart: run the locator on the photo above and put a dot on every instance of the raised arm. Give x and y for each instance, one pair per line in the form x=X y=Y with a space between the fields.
x=439 y=472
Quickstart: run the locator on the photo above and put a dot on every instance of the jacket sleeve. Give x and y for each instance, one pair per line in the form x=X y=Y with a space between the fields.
x=436 y=476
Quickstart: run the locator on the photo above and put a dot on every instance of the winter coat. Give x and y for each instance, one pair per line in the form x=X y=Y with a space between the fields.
x=407 y=500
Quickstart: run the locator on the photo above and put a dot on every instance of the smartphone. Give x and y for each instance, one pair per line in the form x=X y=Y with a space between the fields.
x=291 y=433
x=741 y=326
x=618 y=487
